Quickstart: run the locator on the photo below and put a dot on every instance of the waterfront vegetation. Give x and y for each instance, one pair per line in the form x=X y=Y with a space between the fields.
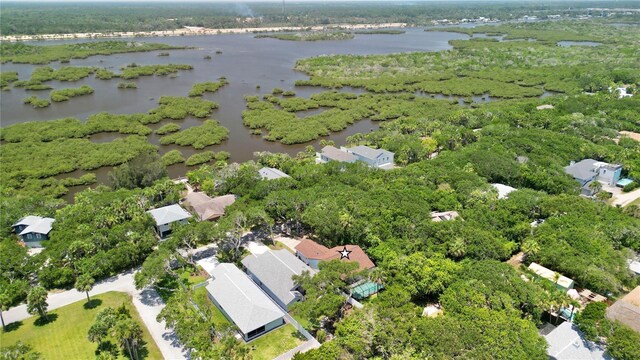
x=66 y=94
x=513 y=69
x=212 y=86
x=6 y=78
x=309 y=36
x=127 y=85
x=343 y=109
x=36 y=102
x=209 y=133
x=61 y=146
x=168 y=129
x=134 y=71
x=172 y=157
x=20 y=53
x=47 y=73
x=205 y=157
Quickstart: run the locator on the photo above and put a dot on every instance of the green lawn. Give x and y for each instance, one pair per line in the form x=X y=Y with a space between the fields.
x=275 y=343
x=65 y=337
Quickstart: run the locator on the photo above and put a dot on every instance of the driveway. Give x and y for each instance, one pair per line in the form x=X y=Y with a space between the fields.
x=147 y=302
x=291 y=243
x=624 y=199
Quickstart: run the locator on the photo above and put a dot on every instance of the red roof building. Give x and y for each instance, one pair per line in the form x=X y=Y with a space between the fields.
x=311 y=253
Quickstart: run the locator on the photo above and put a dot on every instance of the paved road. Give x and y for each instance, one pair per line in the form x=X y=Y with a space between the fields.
x=147 y=302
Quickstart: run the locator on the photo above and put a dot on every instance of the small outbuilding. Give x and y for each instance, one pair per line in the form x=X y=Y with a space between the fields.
x=33 y=230
x=268 y=173
x=166 y=216
x=562 y=282
x=503 y=190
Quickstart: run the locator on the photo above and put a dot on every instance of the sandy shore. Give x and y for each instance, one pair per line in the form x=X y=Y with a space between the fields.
x=194 y=31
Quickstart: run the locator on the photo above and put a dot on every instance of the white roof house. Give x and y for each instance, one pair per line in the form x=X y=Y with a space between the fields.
x=503 y=190
x=635 y=266
x=268 y=173
x=272 y=270
x=566 y=343
x=169 y=214
x=243 y=302
x=560 y=280
x=166 y=216
x=33 y=229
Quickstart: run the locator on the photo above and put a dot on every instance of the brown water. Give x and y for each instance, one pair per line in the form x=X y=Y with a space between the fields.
x=245 y=61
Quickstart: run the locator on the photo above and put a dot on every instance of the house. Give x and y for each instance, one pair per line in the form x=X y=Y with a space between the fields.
x=273 y=271
x=444 y=216
x=242 y=302
x=588 y=170
x=207 y=208
x=167 y=215
x=268 y=173
x=562 y=282
x=312 y=253
x=33 y=230
x=376 y=158
x=503 y=190
x=566 y=342
x=627 y=310
x=331 y=153
x=634 y=266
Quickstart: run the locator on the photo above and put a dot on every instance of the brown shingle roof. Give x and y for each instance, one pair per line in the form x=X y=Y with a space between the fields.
x=312 y=250
x=208 y=208
x=627 y=310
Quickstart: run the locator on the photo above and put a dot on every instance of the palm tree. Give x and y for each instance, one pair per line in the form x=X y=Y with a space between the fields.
x=457 y=248
x=4 y=306
x=37 y=301
x=595 y=186
x=128 y=333
x=530 y=247
x=85 y=283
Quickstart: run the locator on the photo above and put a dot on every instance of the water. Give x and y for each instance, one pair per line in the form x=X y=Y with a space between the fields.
x=245 y=61
x=578 y=43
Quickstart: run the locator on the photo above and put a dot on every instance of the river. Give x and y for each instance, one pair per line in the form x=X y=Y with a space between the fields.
x=245 y=61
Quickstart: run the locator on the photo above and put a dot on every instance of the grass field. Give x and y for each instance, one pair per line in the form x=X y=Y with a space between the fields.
x=275 y=343
x=65 y=336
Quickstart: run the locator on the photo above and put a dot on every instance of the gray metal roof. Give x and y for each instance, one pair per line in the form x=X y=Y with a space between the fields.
x=582 y=170
x=368 y=152
x=566 y=343
x=268 y=173
x=169 y=214
x=336 y=154
x=275 y=269
x=28 y=220
x=35 y=225
x=243 y=301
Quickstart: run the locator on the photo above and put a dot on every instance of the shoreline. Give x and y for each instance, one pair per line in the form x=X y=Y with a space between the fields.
x=195 y=31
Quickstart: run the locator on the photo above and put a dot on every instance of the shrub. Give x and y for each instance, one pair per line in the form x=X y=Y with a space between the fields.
x=209 y=133
x=36 y=102
x=172 y=157
x=66 y=94
x=631 y=186
x=200 y=158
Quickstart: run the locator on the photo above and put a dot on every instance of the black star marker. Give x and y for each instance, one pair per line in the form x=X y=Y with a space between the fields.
x=344 y=253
